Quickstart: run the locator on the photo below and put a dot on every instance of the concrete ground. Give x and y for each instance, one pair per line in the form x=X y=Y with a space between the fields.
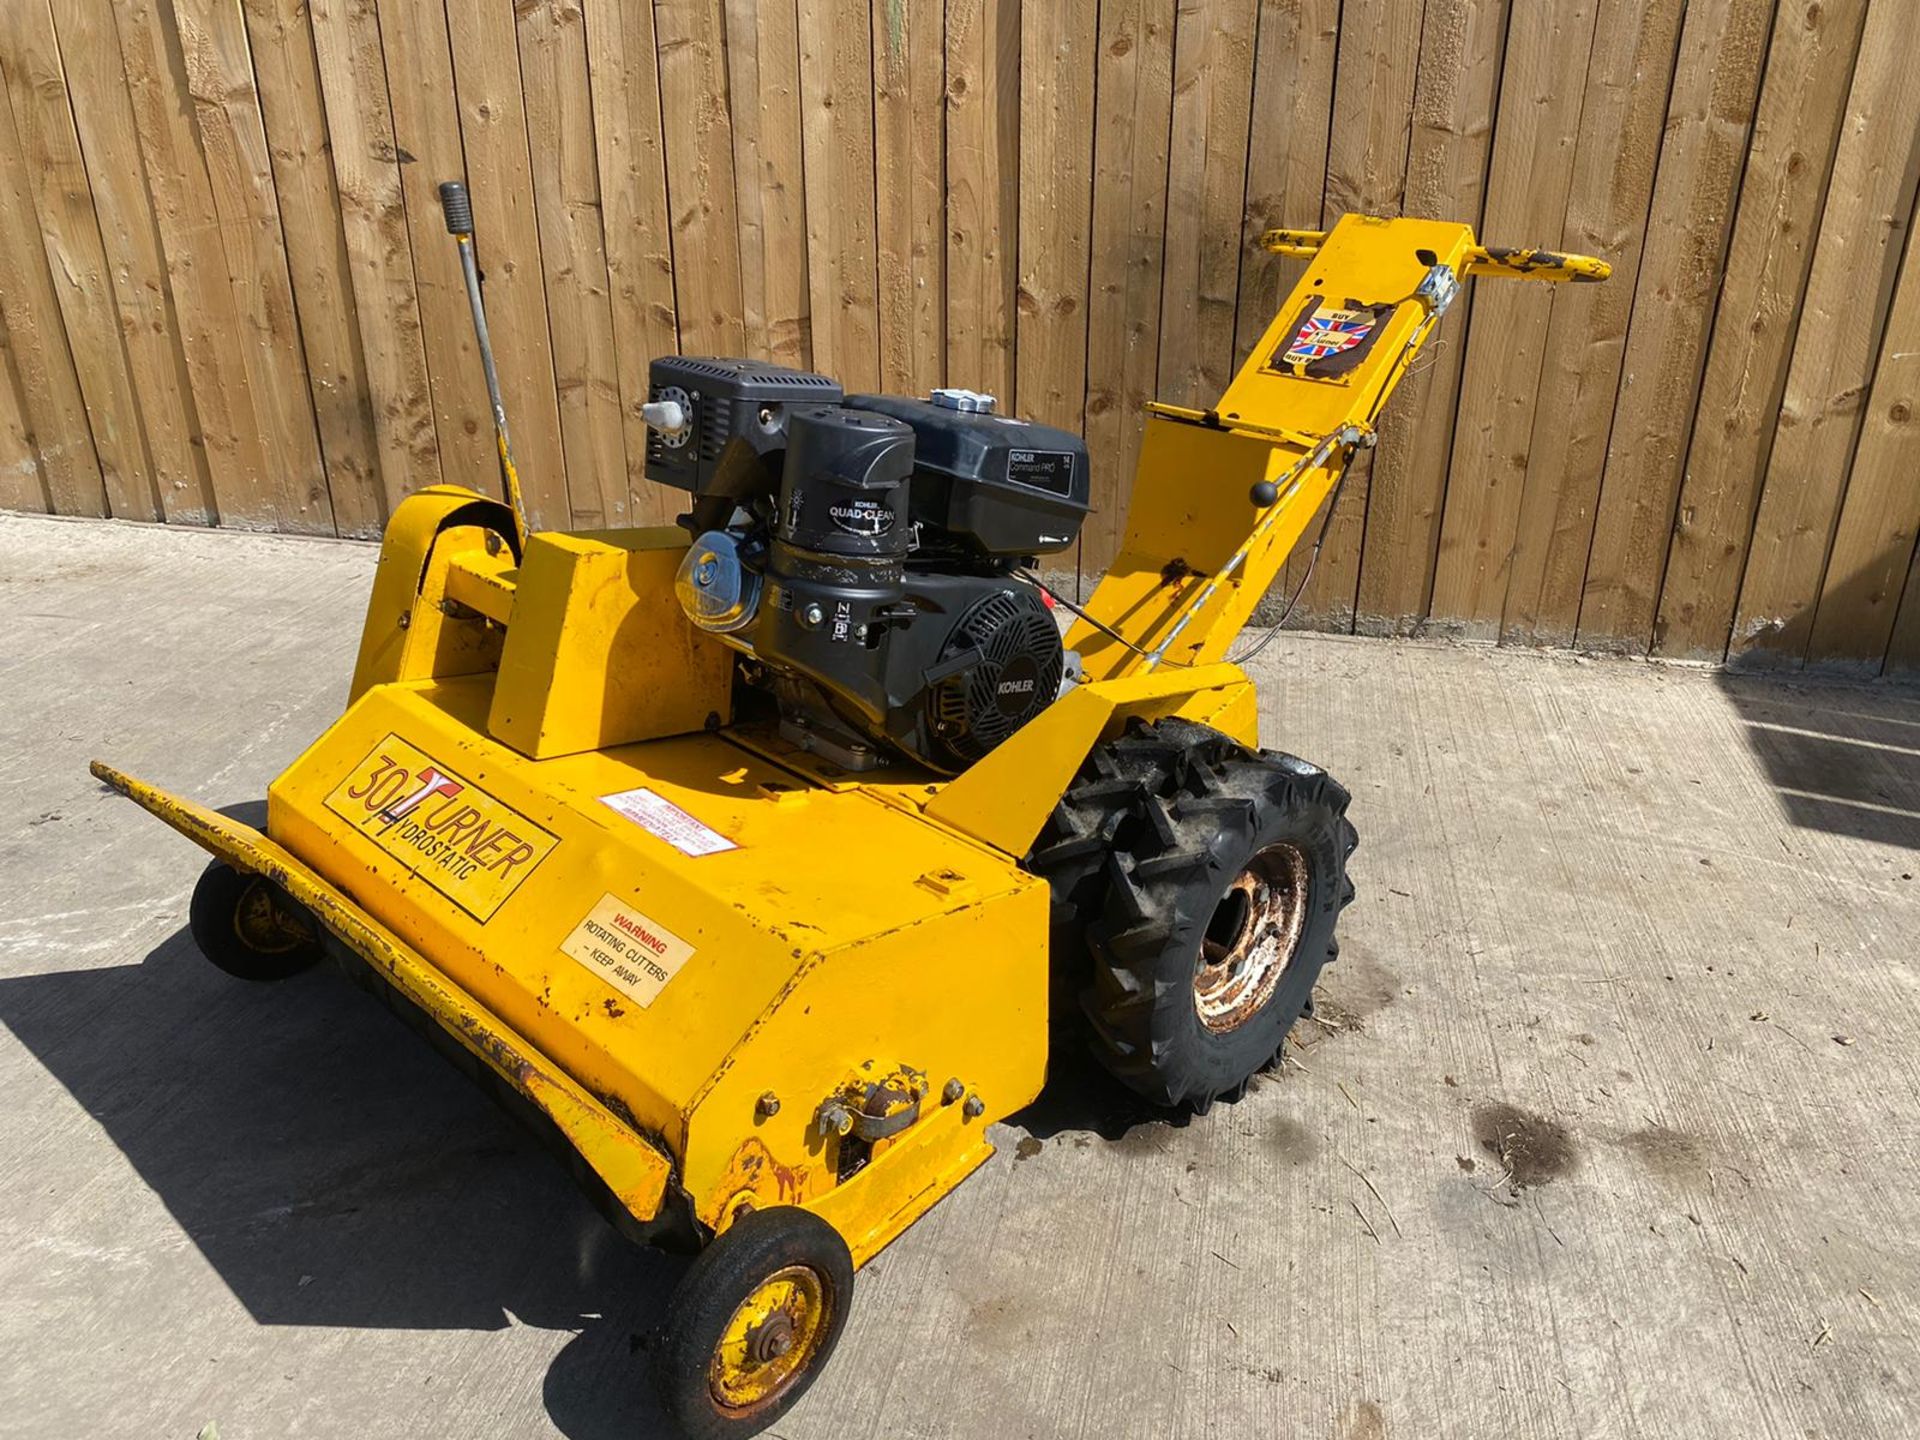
x=1607 y=1125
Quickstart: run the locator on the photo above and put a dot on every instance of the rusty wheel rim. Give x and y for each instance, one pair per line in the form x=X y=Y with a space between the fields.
x=1252 y=938
x=264 y=925
x=770 y=1341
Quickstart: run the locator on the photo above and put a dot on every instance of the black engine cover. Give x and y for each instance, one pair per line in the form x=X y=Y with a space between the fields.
x=1011 y=658
x=996 y=485
x=967 y=661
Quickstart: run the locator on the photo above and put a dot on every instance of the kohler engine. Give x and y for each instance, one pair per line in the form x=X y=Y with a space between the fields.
x=863 y=551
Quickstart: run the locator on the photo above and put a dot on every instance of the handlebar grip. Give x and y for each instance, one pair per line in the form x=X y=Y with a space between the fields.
x=1304 y=243
x=1535 y=264
x=457 y=207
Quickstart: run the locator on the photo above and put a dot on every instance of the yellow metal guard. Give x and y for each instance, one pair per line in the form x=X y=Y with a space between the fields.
x=634 y=1171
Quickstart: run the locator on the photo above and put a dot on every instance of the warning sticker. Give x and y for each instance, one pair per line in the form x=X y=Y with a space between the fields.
x=632 y=953
x=660 y=817
x=472 y=848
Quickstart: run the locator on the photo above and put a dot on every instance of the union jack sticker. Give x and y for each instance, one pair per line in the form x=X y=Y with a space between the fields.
x=1326 y=333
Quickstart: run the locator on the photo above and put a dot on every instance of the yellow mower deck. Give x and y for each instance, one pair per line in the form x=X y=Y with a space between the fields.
x=821 y=936
x=650 y=1000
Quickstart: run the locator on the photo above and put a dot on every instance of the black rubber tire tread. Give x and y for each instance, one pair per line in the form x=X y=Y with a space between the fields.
x=728 y=1270
x=1108 y=800
x=1202 y=807
x=210 y=919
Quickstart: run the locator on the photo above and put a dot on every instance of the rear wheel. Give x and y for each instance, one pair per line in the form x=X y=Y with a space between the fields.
x=752 y=1322
x=1221 y=875
x=249 y=927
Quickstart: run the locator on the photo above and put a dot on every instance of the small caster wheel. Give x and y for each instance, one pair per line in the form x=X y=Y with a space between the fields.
x=752 y=1322
x=249 y=927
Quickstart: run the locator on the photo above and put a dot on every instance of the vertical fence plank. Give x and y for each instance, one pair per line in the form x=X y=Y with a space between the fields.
x=1709 y=127
x=53 y=410
x=633 y=202
x=62 y=202
x=203 y=298
x=23 y=484
x=1542 y=83
x=983 y=202
x=427 y=150
x=910 y=136
x=763 y=68
x=353 y=80
x=296 y=126
x=1287 y=151
x=219 y=73
x=1374 y=77
x=700 y=180
x=1796 y=131
x=96 y=79
x=1873 y=545
x=566 y=186
x=1057 y=47
x=836 y=99
x=1863 y=233
x=1903 y=651
x=493 y=135
x=1133 y=105
x=1373 y=94
x=1614 y=164
x=1206 y=197
x=1453 y=103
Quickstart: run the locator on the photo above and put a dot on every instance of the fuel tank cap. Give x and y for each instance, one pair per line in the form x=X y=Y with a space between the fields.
x=971 y=402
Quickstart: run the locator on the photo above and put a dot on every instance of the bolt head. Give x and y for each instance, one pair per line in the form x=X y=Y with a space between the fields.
x=974 y=1108
x=767 y=1106
x=952 y=1091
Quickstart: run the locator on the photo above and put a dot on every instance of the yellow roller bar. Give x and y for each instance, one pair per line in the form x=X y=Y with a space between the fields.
x=1533 y=264
x=632 y=1167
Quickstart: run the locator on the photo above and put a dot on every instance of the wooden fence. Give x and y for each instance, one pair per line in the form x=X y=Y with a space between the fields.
x=228 y=297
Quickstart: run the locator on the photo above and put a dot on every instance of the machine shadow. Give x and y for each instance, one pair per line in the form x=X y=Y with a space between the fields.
x=1080 y=1098
x=336 y=1172
x=1842 y=757
x=1840 y=746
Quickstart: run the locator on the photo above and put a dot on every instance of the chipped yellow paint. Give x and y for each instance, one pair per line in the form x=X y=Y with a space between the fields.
x=635 y=1170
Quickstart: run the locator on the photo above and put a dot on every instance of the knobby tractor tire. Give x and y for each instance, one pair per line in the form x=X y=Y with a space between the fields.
x=1196 y=886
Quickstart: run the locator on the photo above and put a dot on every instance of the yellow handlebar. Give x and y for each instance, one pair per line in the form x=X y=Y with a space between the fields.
x=1481 y=260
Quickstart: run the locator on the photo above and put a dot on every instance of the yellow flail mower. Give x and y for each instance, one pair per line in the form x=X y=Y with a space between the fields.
x=744 y=858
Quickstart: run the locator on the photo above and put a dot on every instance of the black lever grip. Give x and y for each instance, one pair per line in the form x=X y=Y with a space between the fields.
x=458 y=208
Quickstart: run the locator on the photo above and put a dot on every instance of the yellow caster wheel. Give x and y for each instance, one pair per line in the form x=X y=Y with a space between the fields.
x=752 y=1323
x=247 y=926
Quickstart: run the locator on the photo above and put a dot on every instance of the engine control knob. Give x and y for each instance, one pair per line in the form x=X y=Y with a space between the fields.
x=1265 y=493
x=669 y=415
